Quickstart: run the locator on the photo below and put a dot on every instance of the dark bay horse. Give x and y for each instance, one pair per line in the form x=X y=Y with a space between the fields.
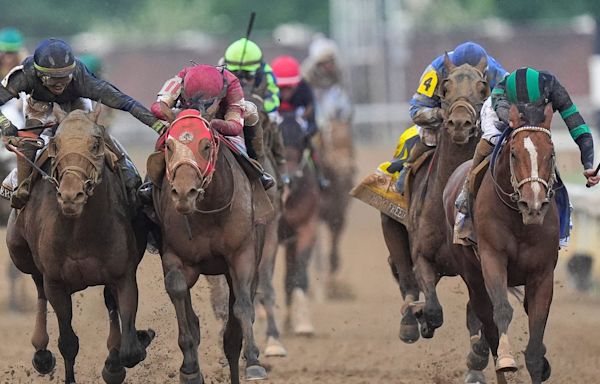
x=208 y=225
x=516 y=222
x=298 y=225
x=78 y=231
x=419 y=250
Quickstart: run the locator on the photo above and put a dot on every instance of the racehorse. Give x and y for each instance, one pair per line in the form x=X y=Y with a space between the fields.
x=207 y=215
x=337 y=152
x=76 y=231
x=298 y=224
x=419 y=251
x=517 y=228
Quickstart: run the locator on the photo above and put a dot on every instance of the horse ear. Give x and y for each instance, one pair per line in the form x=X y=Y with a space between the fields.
x=155 y=166
x=95 y=113
x=166 y=111
x=59 y=113
x=514 y=117
x=448 y=64
x=482 y=65
x=548 y=112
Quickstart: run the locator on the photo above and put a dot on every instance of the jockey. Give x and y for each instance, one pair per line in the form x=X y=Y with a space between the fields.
x=425 y=105
x=530 y=90
x=244 y=58
x=217 y=94
x=11 y=50
x=54 y=75
x=297 y=99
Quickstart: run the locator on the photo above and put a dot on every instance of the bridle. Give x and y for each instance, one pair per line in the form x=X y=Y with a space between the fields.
x=516 y=195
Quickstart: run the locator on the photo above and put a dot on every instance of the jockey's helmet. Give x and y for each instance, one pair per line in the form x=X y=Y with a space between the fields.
x=243 y=55
x=54 y=58
x=467 y=53
x=11 y=40
x=203 y=85
x=524 y=86
x=286 y=70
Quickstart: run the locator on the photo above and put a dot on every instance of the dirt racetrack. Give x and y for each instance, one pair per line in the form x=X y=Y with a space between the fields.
x=356 y=341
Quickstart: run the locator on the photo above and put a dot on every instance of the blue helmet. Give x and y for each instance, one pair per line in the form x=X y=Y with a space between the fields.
x=468 y=53
x=54 y=58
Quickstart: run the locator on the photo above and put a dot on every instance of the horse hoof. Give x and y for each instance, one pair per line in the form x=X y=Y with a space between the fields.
x=475 y=377
x=113 y=377
x=409 y=334
x=547 y=371
x=146 y=337
x=255 y=372
x=191 y=378
x=133 y=358
x=427 y=332
x=506 y=363
x=43 y=361
x=275 y=348
x=476 y=361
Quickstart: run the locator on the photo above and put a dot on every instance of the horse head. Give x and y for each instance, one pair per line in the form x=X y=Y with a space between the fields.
x=77 y=151
x=532 y=164
x=463 y=91
x=295 y=141
x=191 y=149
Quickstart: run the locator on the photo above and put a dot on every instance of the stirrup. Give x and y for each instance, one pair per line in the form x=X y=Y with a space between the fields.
x=144 y=193
x=267 y=181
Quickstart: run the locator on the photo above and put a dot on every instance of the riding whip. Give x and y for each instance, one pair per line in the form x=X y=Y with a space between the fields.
x=595 y=174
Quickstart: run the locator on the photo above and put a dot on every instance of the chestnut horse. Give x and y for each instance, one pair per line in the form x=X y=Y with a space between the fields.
x=419 y=252
x=516 y=223
x=298 y=225
x=208 y=225
x=76 y=231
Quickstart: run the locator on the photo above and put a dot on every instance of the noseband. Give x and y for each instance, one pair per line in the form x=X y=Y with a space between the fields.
x=89 y=181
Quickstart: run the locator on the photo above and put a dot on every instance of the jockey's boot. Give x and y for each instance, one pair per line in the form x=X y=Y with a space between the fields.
x=253 y=137
x=463 y=224
x=21 y=195
x=323 y=181
x=416 y=152
x=130 y=174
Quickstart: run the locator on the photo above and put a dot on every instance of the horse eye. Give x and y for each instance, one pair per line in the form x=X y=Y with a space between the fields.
x=96 y=147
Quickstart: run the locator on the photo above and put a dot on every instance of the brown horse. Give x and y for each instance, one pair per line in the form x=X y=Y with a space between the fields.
x=84 y=204
x=208 y=226
x=337 y=151
x=516 y=222
x=298 y=225
x=419 y=250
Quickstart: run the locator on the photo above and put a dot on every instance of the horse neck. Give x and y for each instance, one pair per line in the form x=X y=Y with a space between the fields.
x=502 y=173
x=220 y=190
x=449 y=156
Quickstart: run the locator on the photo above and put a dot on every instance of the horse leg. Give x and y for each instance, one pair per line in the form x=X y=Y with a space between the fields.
x=301 y=320
x=432 y=312
x=43 y=360
x=68 y=342
x=113 y=371
x=232 y=338
x=397 y=241
x=539 y=297
x=13 y=276
x=266 y=292
x=133 y=343
x=179 y=293
x=244 y=279
x=218 y=299
x=494 y=274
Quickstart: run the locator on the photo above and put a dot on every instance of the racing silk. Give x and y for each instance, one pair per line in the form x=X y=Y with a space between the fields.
x=302 y=104
x=231 y=106
x=266 y=87
x=555 y=93
x=425 y=103
x=84 y=85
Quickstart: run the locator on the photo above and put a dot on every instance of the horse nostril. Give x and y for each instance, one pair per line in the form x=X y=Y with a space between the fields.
x=174 y=192
x=193 y=192
x=523 y=206
x=79 y=197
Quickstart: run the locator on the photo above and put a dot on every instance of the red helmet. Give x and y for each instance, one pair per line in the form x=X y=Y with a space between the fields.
x=203 y=83
x=287 y=71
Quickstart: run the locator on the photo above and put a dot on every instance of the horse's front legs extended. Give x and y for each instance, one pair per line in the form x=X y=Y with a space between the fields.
x=68 y=343
x=43 y=360
x=432 y=311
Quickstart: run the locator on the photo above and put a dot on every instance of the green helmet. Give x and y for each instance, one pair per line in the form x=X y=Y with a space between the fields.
x=11 y=40
x=524 y=86
x=92 y=62
x=243 y=55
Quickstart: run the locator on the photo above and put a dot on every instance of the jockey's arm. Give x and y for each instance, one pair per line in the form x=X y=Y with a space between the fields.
x=500 y=102
x=271 y=100
x=425 y=105
x=168 y=95
x=579 y=130
x=233 y=122
x=106 y=93
x=12 y=84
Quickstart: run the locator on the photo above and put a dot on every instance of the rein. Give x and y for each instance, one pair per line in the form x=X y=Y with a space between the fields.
x=224 y=207
x=89 y=182
x=517 y=184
